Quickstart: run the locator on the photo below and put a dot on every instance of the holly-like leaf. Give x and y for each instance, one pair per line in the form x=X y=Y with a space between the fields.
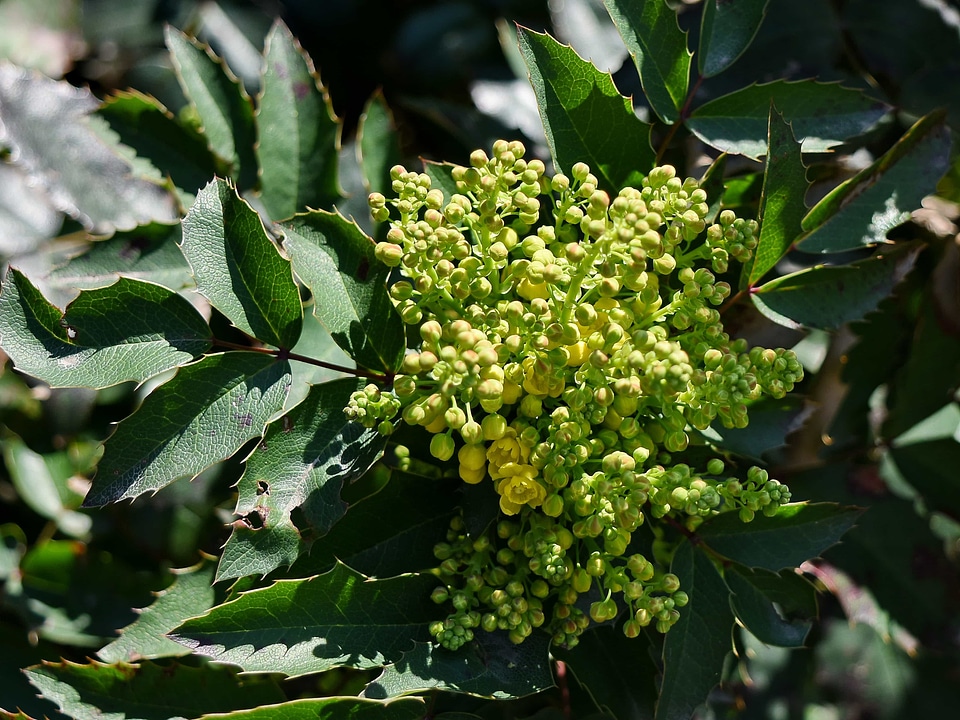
x=797 y=533
x=203 y=415
x=712 y=184
x=53 y=136
x=222 y=107
x=377 y=144
x=297 y=132
x=829 y=296
x=297 y=627
x=862 y=210
x=239 y=269
x=147 y=691
x=130 y=330
x=781 y=201
x=336 y=260
x=696 y=646
x=302 y=462
x=777 y=608
x=585 y=118
x=27 y=215
x=726 y=31
x=771 y=422
x=331 y=708
x=822 y=116
x=659 y=50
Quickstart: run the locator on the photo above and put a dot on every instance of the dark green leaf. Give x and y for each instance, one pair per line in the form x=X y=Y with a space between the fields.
x=377 y=144
x=726 y=30
x=331 y=708
x=931 y=468
x=778 y=609
x=18 y=693
x=696 y=646
x=829 y=296
x=297 y=627
x=441 y=177
x=712 y=184
x=771 y=422
x=335 y=259
x=584 y=116
x=86 y=345
x=822 y=115
x=866 y=207
x=297 y=133
x=239 y=269
x=659 y=50
x=203 y=415
x=797 y=533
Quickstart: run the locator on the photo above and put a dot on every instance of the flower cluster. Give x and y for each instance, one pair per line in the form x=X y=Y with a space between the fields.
x=570 y=347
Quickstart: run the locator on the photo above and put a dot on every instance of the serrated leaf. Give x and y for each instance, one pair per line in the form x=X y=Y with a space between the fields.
x=146 y=691
x=330 y=708
x=297 y=627
x=203 y=415
x=771 y=422
x=239 y=269
x=190 y=594
x=336 y=260
x=377 y=144
x=822 y=116
x=441 y=177
x=712 y=184
x=52 y=135
x=659 y=50
x=696 y=646
x=489 y=666
x=862 y=210
x=27 y=215
x=781 y=201
x=223 y=108
x=86 y=345
x=797 y=533
x=930 y=467
x=726 y=31
x=768 y=604
x=297 y=133
x=828 y=296
x=585 y=118
x=302 y=462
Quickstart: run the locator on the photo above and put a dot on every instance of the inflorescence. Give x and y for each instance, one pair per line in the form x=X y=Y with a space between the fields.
x=570 y=345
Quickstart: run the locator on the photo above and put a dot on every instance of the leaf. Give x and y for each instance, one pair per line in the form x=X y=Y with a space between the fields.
x=86 y=345
x=302 y=462
x=203 y=415
x=191 y=594
x=27 y=215
x=297 y=627
x=930 y=467
x=781 y=201
x=822 y=116
x=696 y=646
x=330 y=708
x=862 y=210
x=828 y=296
x=726 y=31
x=146 y=691
x=297 y=133
x=797 y=533
x=768 y=603
x=771 y=422
x=712 y=184
x=223 y=108
x=488 y=666
x=659 y=50
x=335 y=259
x=377 y=144
x=49 y=129
x=239 y=269
x=584 y=116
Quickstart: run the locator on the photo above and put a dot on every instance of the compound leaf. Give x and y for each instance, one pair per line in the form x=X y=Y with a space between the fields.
x=331 y=708
x=726 y=31
x=777 y=608
x=771 y=422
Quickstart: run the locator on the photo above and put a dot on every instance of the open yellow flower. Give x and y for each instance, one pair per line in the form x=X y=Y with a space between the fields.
x=504 y=451
x=518 y=486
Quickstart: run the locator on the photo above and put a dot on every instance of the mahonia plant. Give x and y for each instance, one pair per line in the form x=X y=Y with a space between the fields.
x=570 y=343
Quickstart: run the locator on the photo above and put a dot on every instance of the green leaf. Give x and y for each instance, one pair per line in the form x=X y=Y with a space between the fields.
x=297 y=132
x=726 y=31
x=147 y=691
x=659 y=50
x=696 y=646
x=781 y=201
x=331 y=708
x=52 y=134
x=778 y=609
x=130 y=330
x=336 y=260
x=584 y=116
x=377 y=144
x=297 y=627
x=829 y=296
x=862 y=210
x=224 y=110
x=797 y=533
x=930 y=467
x=302 y=462
x=712 y=184
x=239 y=269
x=822 y=115
x=202 y=416
x=191 y=594
x=27 y=215
x=771 y=422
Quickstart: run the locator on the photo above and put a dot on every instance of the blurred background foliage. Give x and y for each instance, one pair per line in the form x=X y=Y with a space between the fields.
x=882 y=429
